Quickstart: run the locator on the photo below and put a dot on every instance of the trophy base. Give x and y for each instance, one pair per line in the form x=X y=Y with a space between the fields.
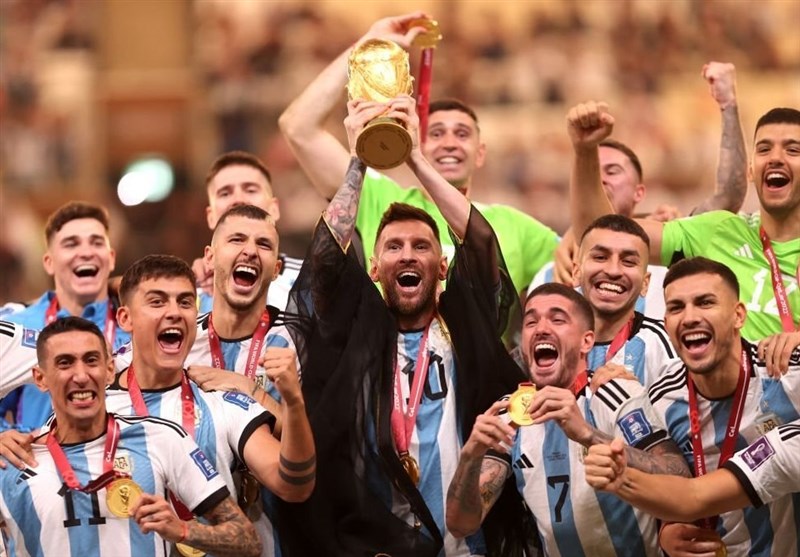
x=383 y=143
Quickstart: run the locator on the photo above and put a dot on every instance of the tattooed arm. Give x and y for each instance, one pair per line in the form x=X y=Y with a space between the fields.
x=664 y=496
x=229 y=533
x=340 y=215
x=663 y=458
x=479 y=479
x=731 y=187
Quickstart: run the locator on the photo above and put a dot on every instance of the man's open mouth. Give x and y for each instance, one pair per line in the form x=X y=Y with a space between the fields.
x=545 y=354
x=409 y=279
x=776 y=178
x=87 y=270
x=170 y=339
x=245 y=275
x=696 y=341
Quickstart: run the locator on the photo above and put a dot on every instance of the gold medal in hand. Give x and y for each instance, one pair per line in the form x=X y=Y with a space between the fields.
x=520 y=402
x=121 y=495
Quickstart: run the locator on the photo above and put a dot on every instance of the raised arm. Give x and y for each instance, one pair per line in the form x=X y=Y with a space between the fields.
x=479 y=479
x=451 y=202
x=731 y=187
x=664 y=496
x=288 y=468
x=323 y=158
x=588 y=124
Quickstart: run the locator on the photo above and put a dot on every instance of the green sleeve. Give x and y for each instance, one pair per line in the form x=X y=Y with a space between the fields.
x=689 y=235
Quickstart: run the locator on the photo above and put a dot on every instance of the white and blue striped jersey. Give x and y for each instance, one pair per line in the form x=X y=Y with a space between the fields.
x=235 y=352
x=223 y=423
x=770 y=467
x=17 y=356
x=436 y=442
x=44 y=518
x=573 y=519
x=648 y=352
x=772 y=529
x=651 y=304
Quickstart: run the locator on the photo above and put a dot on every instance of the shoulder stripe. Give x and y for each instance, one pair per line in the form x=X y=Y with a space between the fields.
x=788 y=431
x=133 y=420
x=612 y=394
x=657 y=328
x=667 y=383
x=7 y=328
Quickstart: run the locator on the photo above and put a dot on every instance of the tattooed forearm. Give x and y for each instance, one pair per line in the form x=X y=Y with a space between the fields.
x=475 y=487
x=301 y=473
x=731 y=187
x=664 y=458
x=341 y=212
x=229 y=534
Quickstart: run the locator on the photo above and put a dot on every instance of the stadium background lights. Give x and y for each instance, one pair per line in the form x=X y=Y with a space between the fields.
x=147 y=179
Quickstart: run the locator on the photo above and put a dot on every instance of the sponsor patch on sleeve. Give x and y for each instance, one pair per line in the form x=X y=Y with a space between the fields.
x=239 y=399
x=29 y=337
x=635 y=426
x=203 y=463
x=758 y=453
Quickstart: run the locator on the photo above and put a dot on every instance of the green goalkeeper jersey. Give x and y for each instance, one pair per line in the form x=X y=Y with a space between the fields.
x=734 y=240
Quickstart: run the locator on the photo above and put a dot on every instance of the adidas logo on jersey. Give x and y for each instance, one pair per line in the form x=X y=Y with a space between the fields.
x=25 y=475
x=744 y=251
x=523 y=462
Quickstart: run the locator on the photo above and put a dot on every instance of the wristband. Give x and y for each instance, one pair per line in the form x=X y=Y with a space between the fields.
x=185 y=531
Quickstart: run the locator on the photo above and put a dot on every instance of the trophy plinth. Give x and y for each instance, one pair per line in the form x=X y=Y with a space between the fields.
x=383 y=143
x=379 y=71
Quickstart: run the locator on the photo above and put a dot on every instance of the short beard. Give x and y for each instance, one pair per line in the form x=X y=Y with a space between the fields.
x=410 y=309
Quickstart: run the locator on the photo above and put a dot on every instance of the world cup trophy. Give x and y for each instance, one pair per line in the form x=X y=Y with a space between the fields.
x=378 y=70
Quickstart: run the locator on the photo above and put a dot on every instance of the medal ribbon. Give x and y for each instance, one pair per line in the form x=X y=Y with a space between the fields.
x=65 y=468
x=424 y=91
x=110 y=330
x=256 y=342
x=403 y=422
x=731 y=431
x=778 y=287
x=187 y=419
x=580 y=382
x=619 y=340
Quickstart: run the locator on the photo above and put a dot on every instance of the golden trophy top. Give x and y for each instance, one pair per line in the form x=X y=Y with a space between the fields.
x=378 y=70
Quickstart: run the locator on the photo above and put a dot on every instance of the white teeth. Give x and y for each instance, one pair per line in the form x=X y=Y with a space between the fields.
x=544 y=346
x=775 y=175
x=83 y=395
x=610 y=287
x=696 y=336
x=448 y=160
x=171 y=332
x=409 y=274
x=245 y=269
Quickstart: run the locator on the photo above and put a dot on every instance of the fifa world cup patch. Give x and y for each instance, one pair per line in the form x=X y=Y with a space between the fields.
x=635 y=426
x=758 y=453
x=239 y=399
x=203 y=463
x=29 y=337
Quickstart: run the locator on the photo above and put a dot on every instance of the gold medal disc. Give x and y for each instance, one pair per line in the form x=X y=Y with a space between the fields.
x=121 y=494
x=188 y=551
x=722 y=551
x=519 y=403
x=432 y=34
x=411 y=467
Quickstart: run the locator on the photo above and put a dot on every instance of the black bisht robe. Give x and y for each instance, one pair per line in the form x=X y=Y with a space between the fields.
x=347 y=357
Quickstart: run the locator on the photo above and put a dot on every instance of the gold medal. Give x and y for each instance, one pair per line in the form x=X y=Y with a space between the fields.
x=411 y=467
x=519 y=403
x=432 y=34
x=722 y=551
x=121 y=495
x=188 y=551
